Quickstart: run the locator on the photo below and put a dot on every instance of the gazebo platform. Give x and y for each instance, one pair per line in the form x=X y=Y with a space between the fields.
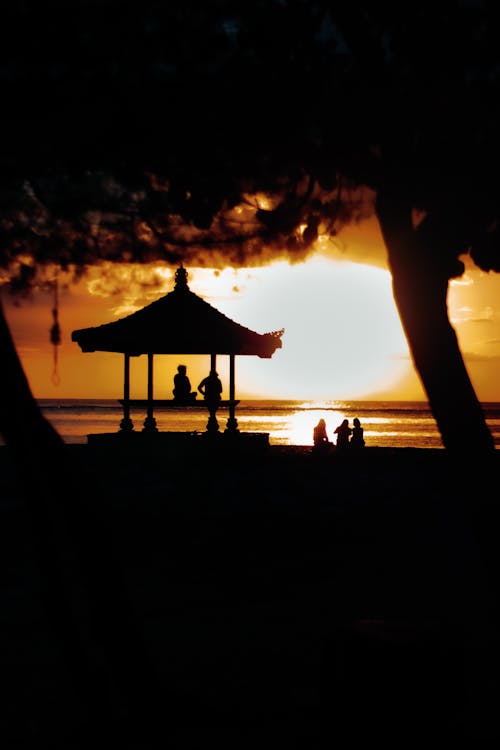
x=138 y=443
x=171 y=403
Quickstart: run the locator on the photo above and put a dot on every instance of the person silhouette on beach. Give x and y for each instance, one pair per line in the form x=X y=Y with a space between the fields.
x=182 y=385
x=343 y=432
x=357 y=439
x=211 y=390
x=320 y=438
x=211 y=387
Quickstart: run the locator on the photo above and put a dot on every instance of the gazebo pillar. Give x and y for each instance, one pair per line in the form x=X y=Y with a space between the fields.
x=126 y=423
x=232 y=423
x=150 y=421
x=212 y=424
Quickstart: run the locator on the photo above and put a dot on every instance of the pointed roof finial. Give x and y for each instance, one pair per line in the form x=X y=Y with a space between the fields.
x=181 y=279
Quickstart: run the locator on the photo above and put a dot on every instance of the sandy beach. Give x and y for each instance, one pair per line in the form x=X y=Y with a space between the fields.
x=280 y=599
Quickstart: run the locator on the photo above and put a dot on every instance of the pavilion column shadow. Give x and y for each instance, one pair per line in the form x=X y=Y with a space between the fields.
x=212 y=424
x=126 y=424
x=212 y=406
x=150 y=421
x=232 y=422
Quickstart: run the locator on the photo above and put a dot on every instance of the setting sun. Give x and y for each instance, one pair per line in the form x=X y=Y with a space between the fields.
x=342 y=339
x=342 y=335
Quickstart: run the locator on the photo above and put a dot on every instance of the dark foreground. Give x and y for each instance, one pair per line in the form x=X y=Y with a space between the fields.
x=282 y=600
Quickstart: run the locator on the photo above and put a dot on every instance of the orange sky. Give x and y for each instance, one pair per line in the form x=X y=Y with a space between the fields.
x=342 y=340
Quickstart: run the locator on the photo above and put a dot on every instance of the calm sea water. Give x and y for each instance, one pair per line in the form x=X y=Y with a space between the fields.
x=397 y=424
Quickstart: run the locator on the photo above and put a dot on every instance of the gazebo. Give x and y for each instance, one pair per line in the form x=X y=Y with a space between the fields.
x=181 y=322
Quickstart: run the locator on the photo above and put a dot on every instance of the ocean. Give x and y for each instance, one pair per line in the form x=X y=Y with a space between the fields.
x=397 y=424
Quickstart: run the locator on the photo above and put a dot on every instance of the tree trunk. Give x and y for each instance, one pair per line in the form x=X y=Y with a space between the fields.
x=83 y=595
x=420 y=286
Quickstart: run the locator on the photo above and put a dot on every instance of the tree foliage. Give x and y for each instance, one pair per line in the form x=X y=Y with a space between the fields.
x=223 y=132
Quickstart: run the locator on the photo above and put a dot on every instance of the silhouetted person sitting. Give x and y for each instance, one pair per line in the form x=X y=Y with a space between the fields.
x=211 y=387
x=320 y=437
x=211 y=390
x=182 y=386
x=343 y=432
x=357 y=439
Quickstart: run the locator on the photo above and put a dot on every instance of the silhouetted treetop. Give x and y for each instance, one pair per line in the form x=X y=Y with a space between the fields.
x=225 y=132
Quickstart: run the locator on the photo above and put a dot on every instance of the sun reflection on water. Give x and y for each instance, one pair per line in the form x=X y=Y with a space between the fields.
x=297 y=428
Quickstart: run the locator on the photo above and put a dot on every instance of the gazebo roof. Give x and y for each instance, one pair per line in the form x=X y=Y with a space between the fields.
x=178 y=323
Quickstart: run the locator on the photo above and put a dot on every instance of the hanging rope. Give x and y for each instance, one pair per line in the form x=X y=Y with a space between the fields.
x=55 y=334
